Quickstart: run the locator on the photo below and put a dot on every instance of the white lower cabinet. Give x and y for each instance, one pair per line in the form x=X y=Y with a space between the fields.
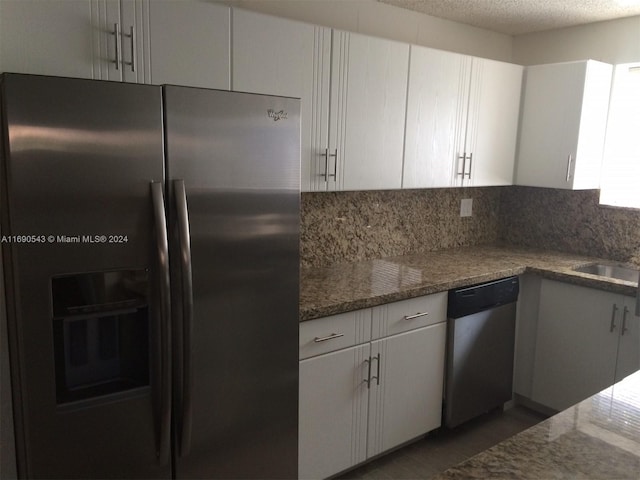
x=407 y=401
x=333 y=412
x=358 y=401
x=586 y=340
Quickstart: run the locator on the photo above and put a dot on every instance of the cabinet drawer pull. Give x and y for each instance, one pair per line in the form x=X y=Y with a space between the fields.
x=411 y=317
x=470 y=166
x=569 y=160
x=613 y=318
x=624 y=321
x=328 y=337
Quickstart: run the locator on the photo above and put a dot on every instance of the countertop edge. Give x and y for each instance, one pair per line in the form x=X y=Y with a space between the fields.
x=517 y=266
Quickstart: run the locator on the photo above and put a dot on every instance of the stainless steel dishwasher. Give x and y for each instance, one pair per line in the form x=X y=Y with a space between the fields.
x=480 y=346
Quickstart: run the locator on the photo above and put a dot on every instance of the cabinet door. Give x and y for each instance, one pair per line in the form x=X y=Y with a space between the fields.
x=275 y=56
x=576 y=344
x=333 y=412
x=563 y=125
x=406 y=398
x=593 y=124
x=436 y=114
x=368 y=104
x=189 y=44
x=550 y=124
x=629 y=343
x=135 y=33
x=51 y=38
x=493 y=122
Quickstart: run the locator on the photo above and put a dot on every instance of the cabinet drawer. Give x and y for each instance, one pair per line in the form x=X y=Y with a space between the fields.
x=409 y=314
x=335 y=332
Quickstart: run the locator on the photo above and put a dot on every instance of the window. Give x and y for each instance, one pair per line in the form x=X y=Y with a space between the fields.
x=620 y=184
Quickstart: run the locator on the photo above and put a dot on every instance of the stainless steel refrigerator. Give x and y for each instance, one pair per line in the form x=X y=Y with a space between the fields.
x=150 y=240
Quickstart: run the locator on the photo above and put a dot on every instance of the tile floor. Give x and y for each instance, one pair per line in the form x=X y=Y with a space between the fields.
x=445 y=448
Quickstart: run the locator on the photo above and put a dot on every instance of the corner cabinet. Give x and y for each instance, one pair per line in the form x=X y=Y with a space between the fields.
x=563 y=125
x=462 y=117
x=586 y=340
x=137 y=41
x=370 y=380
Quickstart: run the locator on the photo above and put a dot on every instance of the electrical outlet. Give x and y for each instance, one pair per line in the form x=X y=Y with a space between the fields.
x=465 y=207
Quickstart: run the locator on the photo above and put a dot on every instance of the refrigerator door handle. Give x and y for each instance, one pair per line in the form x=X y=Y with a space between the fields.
x=164 y=338
x=182 y=211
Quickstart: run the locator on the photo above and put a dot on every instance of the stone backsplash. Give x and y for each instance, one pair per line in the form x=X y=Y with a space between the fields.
x=569 y=221
x=351 y=226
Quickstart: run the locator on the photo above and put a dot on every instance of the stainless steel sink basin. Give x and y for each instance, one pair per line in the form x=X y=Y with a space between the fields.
x=610 y=270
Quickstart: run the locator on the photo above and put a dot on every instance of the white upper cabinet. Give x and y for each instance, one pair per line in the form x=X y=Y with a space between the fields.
x=129 y=20
x=367 y=115
x=462 y=118
x=436 y=117
x=96 y=39
x=563 y=125
x=189 y=43
x=275 y=56
x=51 y=38
x=352 y=90
x=492 y=128
x=123 y=40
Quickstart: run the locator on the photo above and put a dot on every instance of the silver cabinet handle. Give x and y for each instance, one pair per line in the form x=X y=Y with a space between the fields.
x=377 y=376
x=328 y=337
x=368 y=379
x=470 y=163
x=613 y=318
x=132 y=36
x=116 y=35
x=326 y=164
x=624 y=321
x=569 y=160
x=462 y=157
x=163 y=346
x=335 y=164
x=186 y=319
x=326 y=156
x=417 y=315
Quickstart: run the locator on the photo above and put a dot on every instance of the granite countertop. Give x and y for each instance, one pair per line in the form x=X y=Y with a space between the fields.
x=351 y=286
x=599 y=438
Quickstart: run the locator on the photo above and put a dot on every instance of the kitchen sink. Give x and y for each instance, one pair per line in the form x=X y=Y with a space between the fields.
x=610 y=270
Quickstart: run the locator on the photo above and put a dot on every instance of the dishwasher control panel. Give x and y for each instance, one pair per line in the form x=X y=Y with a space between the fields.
x=476 y=298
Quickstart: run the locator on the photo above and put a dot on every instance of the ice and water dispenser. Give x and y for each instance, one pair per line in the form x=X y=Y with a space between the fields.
x=101 y=333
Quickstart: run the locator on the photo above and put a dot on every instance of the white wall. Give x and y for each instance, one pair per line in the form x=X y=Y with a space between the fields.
x=613 y=41
x=379 y=19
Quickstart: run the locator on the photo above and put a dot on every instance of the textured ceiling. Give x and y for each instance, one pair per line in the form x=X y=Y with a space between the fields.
x=515 y=17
